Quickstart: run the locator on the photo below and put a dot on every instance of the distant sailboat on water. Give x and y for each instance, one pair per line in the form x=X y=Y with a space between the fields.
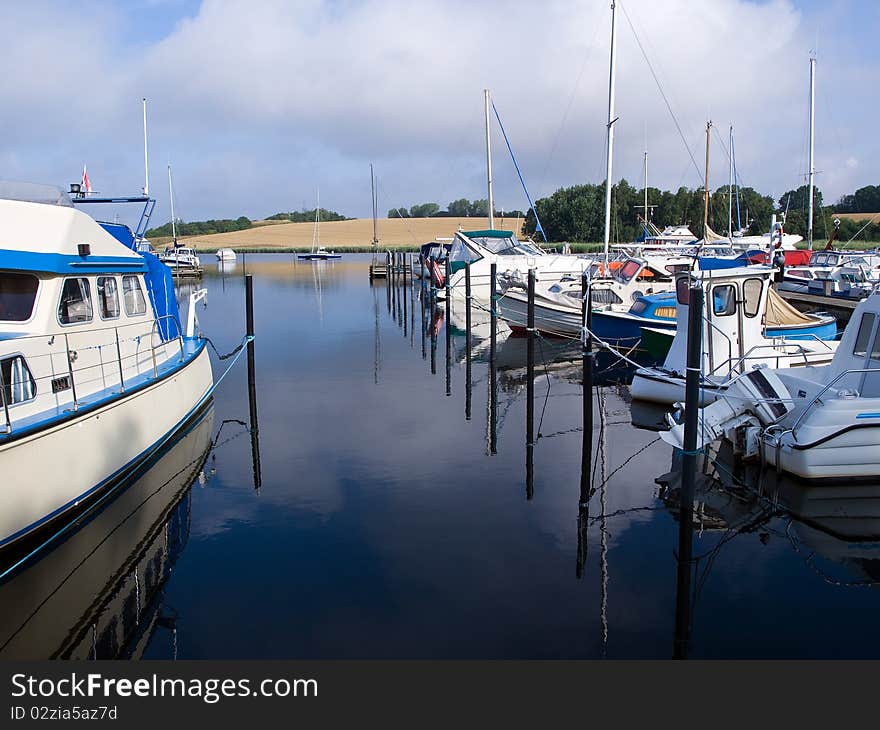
x=318 y=252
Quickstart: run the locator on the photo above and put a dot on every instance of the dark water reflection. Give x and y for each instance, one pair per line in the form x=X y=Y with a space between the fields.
x=397 y=516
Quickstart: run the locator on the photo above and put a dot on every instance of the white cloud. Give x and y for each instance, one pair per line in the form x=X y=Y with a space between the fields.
x=258 y=103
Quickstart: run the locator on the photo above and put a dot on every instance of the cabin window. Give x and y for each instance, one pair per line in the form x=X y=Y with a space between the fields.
x=108 y=297
x=133 y=296
x=798 y=273
x=604 y=296
x=629 y=269
x=18 y=292
x=639 y=306
x=18 y=383
x=865 y=328
x=678 y=268
x=683 y=290
x=724 y=300
x=76 y=301
x=752 y=289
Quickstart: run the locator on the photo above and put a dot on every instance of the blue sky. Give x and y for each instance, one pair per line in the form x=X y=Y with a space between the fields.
x=258 y=104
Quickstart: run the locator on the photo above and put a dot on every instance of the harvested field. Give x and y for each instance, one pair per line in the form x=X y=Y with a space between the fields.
x=358 y=233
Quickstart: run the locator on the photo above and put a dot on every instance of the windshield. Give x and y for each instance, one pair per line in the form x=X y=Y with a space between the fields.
x=626 y=272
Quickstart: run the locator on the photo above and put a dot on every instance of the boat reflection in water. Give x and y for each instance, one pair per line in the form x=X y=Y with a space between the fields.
x=98 y=593
x=829 y=527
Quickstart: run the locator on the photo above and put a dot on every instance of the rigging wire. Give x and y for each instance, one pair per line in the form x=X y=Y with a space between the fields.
x=660 y=89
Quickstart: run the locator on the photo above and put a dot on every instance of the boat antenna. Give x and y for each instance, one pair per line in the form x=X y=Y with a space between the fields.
x=610 y=135
x=706 y=186
x=730 y=185
x=489 y=162
x=812 y=168
x=146 y=164
x=171 y=196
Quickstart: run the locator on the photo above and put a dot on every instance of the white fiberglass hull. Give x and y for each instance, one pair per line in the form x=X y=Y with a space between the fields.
x=51 y=471
x=840 y=439
x=547 y=268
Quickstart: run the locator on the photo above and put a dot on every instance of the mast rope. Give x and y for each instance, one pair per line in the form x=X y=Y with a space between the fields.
x=660 y=89
x=538 y=226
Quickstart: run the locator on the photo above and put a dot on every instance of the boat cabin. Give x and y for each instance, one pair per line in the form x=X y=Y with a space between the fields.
x=80 y=313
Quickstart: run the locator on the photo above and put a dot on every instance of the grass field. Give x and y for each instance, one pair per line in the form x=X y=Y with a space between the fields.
x=341 y=235
x=858 y=216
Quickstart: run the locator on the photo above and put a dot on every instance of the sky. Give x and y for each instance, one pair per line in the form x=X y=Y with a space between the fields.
x=261 y=106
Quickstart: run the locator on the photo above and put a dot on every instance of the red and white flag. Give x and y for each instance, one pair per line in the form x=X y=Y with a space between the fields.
x=86 y=185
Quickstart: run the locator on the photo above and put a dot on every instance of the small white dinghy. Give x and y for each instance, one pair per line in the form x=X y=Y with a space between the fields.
x=225 y=254
x=813 y=422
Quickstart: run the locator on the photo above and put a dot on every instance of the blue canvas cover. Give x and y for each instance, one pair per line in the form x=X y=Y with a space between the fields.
x=121 y=233
x=160 y=287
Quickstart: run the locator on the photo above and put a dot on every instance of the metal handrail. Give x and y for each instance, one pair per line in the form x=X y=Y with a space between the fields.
x=799 y=350
x=5 y=404
x=714 y=326
x=70 y=357
x=824 y=390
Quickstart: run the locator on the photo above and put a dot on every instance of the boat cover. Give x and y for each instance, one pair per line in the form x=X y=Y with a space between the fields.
x=779 y=313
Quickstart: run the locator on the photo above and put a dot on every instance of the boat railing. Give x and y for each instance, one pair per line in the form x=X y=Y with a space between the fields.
x=721 y=332
x=69 y=365
x=818 y=397
x=797 y=350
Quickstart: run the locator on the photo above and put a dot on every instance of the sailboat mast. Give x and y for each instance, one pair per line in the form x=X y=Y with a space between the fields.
x=646 y=188
x=171 y=196
x=375 y=211
x=706 y=185
x=812 y=170
x=316 y=237
x=610 y=135
x=489 y=162
x=730 y=184
x=146 y=165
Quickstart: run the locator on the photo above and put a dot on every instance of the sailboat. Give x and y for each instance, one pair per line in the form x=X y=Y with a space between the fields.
x=182 y=260
x=318 y=252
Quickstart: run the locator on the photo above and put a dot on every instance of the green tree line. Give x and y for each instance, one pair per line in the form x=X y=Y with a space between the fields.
x=461 y=208
x=201 y=228
x=577 y=213
x=306 y=216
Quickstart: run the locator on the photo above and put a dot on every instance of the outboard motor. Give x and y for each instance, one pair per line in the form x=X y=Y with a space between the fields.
x=758 y=398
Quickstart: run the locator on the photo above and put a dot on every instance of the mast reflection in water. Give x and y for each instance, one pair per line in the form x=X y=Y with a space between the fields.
x=98 y=593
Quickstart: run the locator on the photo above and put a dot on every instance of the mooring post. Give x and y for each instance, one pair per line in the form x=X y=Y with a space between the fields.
x=467 y=324
x=432 y=325
x=423 y=292
x=587 y=439
x=448 y=331
x=688 y=470
x=252 y=380
x=530 y=390
x=493 y=373
x=405 y=297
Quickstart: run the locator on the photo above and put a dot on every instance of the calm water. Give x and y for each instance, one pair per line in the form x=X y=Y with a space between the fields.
x=384 y=526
